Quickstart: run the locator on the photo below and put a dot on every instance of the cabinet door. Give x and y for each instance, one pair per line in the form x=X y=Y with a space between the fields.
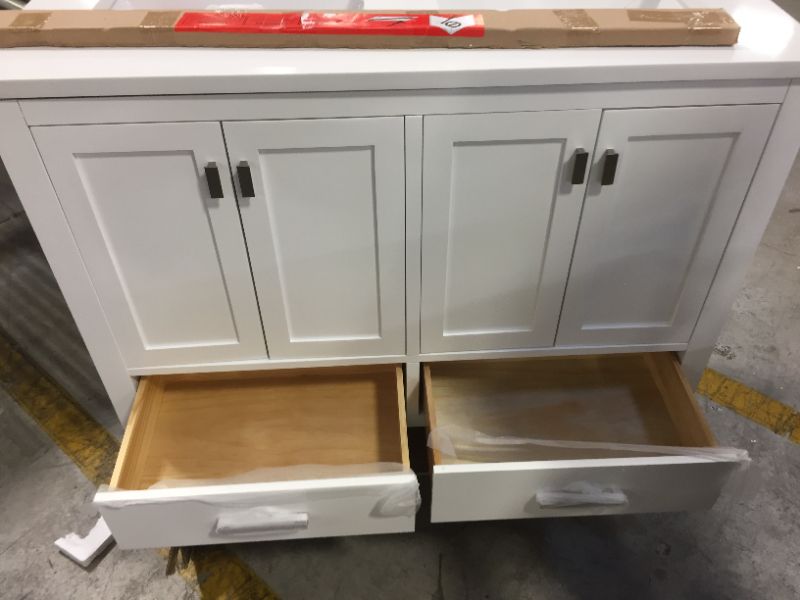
x=499 y=218
x=324 y=223
x=649 y=243
x=168 y=262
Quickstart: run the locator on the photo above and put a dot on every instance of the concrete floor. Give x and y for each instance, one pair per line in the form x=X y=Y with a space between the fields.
x=760 y=345
x=747 y=547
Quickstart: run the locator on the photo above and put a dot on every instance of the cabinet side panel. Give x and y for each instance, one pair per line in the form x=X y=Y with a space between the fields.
x=775 y=166
x=24 y=166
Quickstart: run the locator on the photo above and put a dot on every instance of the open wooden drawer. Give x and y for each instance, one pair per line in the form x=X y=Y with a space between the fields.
x=552 y=437
x=261 y=456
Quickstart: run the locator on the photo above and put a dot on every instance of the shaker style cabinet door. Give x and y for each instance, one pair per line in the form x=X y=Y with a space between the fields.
x=155 y=218
x=502 y=197
x=323 y=207
x=663 y=197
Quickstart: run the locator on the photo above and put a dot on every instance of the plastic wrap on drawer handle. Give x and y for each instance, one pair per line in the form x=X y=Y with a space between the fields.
x=392 y=498
x=581 y=493
x=260 y=519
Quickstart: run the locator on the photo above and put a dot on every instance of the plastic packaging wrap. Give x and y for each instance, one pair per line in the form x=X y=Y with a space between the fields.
x=458 y=445
x=393 y=496
x=470 y=445
x=289 y=473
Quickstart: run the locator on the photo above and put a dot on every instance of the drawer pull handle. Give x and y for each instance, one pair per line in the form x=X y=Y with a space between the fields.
x=581 y=494
x=213 y=180
x=609 y=167
x=260 y=520
x=245 y=180
x=579 y=166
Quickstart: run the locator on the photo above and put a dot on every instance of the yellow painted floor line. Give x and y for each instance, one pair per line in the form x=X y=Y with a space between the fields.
x=751 y=404
x=72 y=429
x=215 y=572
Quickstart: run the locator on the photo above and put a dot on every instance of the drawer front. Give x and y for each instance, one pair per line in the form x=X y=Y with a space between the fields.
x=233 y=457
x=528 y=490
x=569 y=437
x=258 y=512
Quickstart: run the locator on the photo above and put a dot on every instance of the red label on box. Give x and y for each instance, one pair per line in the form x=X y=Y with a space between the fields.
x=468 y=25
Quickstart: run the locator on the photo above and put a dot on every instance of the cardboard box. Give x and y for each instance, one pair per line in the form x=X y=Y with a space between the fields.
x=469 y=29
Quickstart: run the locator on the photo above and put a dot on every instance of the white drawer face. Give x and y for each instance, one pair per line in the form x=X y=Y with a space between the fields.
x=569 y=437
x=234 y=457
x=256 y=512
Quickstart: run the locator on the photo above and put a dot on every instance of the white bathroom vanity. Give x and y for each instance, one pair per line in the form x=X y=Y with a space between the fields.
x=280 y=249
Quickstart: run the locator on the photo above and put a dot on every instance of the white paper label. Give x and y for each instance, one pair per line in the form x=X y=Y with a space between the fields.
x=452 y=24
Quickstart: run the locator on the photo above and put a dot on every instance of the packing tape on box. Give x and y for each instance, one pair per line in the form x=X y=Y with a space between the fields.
x=30 y=21
x=577 y=20
x=695 y=20
x=160 y=19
